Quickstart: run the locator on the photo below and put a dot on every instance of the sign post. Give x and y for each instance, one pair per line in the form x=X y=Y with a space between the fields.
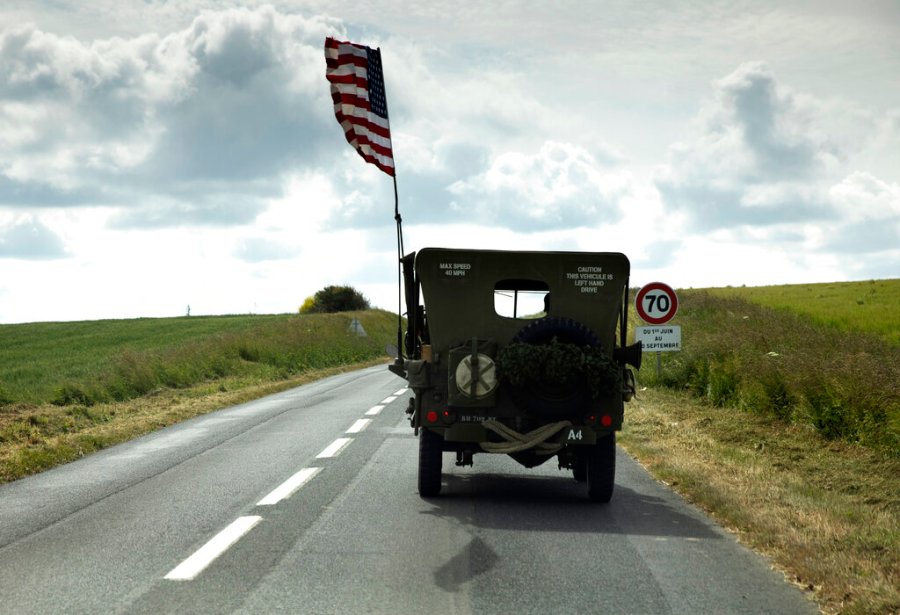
x=656 y=303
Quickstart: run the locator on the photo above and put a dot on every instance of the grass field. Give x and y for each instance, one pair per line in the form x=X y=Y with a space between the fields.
x=872 y=306
x=101 y=361
x=67 y=389
x=38 y=359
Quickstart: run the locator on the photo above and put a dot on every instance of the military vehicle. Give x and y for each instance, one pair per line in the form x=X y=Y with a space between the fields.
x=518 y=353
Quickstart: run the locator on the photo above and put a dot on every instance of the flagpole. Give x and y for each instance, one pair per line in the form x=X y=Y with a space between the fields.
x=399 y=221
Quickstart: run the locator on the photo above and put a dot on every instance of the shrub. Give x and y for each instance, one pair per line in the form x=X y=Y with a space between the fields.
x=308 y=305
x=723 y=382
x=335 y=299
x=134 y=375
x=828 y=414
x=71 y=393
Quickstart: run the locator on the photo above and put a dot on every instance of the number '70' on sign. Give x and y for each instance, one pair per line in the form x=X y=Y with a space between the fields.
x=656 y=303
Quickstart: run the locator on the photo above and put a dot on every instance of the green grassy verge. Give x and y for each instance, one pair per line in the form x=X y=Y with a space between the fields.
x=774 y=362
x=67 y=389
x=870 y=307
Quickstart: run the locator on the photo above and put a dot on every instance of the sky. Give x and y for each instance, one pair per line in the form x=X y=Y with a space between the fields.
x=161 y=157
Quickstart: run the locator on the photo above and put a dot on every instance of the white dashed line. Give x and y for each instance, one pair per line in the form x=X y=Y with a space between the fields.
x=334 y=449
x=288 y=487
x=205 y=555
x=221 y=542
x=359 y=425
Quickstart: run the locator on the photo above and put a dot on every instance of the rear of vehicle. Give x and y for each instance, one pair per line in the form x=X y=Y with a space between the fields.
x=518 y=353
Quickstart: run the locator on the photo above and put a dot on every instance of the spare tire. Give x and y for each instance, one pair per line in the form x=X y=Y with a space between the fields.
x=543 y=330
x=551 y=400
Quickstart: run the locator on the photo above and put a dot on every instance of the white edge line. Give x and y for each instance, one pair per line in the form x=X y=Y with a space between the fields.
x=374 y=410
x=359 y=425
x=388 y=400
x=333 y=449
x=401 y=391
x=217 y=545
x=288 y=487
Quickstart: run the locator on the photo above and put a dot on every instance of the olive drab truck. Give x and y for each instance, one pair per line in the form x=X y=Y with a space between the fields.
x=518 y=353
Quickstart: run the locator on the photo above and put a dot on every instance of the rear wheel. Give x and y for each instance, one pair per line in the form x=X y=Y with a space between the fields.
x=601 y=469
x=431 y=448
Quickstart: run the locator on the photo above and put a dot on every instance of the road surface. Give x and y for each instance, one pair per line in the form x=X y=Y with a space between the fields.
x=305 y=502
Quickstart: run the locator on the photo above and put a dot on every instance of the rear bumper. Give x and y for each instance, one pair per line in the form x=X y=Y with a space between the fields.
x=477 y=433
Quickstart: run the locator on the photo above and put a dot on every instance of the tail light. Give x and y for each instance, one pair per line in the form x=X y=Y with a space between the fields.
x=604 y=420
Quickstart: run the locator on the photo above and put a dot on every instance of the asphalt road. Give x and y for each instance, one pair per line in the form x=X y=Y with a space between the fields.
x=305 y=502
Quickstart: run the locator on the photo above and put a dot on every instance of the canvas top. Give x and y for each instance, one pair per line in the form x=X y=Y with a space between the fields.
x=492 y=294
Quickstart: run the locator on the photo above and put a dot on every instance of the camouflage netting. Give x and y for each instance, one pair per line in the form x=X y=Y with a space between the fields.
x=560 y=364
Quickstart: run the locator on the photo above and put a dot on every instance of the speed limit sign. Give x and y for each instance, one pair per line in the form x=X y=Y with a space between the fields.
x=656 y=303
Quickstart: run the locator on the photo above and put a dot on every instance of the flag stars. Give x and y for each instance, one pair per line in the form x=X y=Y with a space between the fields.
x=377 y=97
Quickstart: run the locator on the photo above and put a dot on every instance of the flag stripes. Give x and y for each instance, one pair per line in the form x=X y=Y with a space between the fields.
x=360 y=105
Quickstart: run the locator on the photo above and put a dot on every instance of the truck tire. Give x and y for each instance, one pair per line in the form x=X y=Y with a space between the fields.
x=543 y=330
x=543 y=400
x=431 y=448
x=601 y=469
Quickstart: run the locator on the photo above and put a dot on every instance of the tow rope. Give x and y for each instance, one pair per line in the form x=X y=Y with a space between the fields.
x=515 y=441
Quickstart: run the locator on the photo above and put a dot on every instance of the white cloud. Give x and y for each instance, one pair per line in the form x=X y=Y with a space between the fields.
x=775 y=168
x=756 y=156
x=871 y=218
x=29 y=238
x=866 y=198
x=560 y=186
x=194 y=126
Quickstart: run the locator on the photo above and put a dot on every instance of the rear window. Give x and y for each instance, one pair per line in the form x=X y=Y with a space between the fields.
x=521 y=298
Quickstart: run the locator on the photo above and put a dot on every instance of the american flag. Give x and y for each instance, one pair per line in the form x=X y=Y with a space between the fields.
x=360 y=103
